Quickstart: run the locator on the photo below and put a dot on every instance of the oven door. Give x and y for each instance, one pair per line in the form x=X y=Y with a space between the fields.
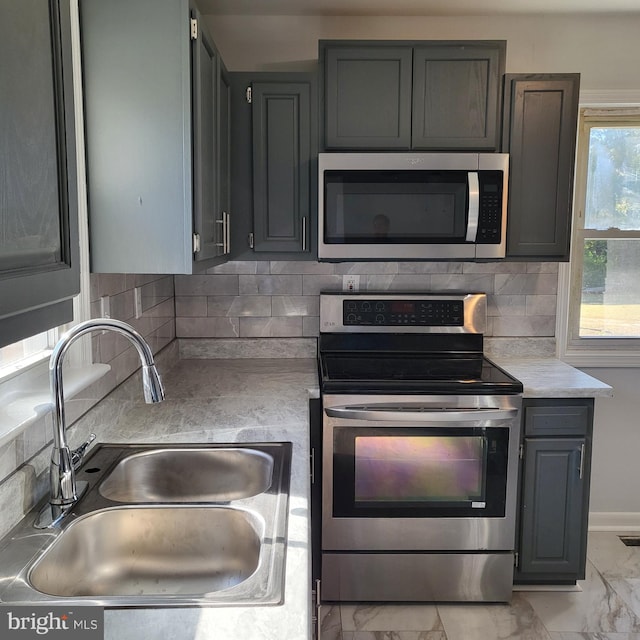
x=419 y=472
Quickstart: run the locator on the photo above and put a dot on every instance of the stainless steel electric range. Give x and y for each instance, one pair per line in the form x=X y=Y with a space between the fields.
x=420 y=440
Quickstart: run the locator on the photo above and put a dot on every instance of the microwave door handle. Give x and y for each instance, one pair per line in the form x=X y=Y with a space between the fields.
x=418 y=415
x=474 y=206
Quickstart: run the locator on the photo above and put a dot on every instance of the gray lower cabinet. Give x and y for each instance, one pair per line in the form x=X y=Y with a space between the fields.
x=274 y=165
x=554 y=492
x=539 y=133
x=157 y=125
x=428 y=95
x=39 y=250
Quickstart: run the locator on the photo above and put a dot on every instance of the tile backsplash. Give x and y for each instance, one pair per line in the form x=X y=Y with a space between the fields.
x=279 y=299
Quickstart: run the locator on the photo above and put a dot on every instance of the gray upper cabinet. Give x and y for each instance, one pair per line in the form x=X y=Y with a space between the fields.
x=539 y=133
x=281 y=126
x=554 y=490
x=456 y=95
x=430 y=95
x=39 y=251
x=368 y=97
x=156 y=112
x=211 y=130
x=274 y=165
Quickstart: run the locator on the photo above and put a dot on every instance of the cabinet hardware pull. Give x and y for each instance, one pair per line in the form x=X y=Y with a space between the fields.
x=227 y=232
x=581 y=471
x=304 y=233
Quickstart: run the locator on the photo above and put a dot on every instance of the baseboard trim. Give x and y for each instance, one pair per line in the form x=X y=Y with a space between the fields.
x=614 y=521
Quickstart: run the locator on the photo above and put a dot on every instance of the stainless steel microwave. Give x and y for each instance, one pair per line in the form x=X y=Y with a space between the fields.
x=412 y=206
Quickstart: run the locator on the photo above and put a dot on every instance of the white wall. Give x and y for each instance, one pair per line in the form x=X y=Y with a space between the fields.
x=604 y=49
x=615 y=472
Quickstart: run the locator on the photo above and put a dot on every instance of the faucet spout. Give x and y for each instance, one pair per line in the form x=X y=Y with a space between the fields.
x=63 y=492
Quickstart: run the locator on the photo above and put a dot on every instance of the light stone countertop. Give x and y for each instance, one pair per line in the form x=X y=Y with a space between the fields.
x=552 y=378
x=227 y=401
x=261 y=400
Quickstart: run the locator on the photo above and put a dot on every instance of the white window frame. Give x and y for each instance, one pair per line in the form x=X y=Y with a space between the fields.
x=591 y=352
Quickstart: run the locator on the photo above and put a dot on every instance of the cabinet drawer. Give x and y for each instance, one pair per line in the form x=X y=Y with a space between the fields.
x=558 y=417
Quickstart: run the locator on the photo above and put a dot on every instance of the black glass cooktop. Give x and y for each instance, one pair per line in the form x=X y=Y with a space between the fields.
x=409 y=370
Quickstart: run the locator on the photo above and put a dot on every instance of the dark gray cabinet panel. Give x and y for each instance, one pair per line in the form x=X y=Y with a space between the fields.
x=368 y=97
x=281 y=165
x=555 y=490
x=274 y=165
x=39 y=252
x=152 y=91
x=456 y=95
x=539 y=133
x=429 y=95
x=211 y=114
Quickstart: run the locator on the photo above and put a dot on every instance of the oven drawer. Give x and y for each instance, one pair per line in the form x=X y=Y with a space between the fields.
x=417 y=577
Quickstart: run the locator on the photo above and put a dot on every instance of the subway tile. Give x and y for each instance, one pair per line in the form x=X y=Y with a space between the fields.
x=311 y=326
x=494 y=267
x=365 y=268
x=295 y=306
x=314 y=284
x=236 y=306
x=543 y=267
x=524 y=326
x=404 y=282
x=241 y=267
x=430 y=267
x=270 y=285
x=206 y=285
x=543 y=305
x=506 y=305
x=301 y=267
x=207 y=328
x=526 y=283
x=270 y=327
x=472 y=282
x=122 y=305
x=191 y=306
x=164 y=309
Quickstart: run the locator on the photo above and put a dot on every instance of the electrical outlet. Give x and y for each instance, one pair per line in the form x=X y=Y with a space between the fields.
x=350 y=283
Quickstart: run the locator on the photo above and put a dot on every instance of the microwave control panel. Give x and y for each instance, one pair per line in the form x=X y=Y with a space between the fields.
x=490 y=208
x=421 y=313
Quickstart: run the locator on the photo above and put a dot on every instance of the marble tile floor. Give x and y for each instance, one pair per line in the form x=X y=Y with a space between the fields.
x=606 y=608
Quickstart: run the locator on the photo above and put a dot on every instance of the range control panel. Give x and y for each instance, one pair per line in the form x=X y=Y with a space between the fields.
x=391 y=313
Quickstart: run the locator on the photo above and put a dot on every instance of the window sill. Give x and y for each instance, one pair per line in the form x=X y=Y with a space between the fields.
x=23 y=407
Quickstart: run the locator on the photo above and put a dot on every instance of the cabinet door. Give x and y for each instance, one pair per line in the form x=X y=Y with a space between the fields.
x=281 y=125
x=456 y=95
x=539 y=133
x=39 y=253
x=553 y=511
x=208 y=225
x=368 y=97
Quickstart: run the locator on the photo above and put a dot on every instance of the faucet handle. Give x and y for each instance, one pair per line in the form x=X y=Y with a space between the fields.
x=77 y=455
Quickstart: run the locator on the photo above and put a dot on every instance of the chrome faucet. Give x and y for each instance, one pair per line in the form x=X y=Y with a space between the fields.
x=64 y=491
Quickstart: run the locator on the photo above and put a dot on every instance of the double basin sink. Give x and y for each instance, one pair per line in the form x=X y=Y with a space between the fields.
x=160 y=526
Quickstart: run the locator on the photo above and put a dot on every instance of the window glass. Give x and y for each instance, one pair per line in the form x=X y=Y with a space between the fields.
x=14 y=356
x=604 y=283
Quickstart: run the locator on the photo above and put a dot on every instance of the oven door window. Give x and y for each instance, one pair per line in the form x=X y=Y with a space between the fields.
x=409 y=472
x=390 y=207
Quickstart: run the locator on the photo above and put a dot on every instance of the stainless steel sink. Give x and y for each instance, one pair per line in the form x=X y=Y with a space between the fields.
x=136 y=551
x=189 y=475
x=212 y=531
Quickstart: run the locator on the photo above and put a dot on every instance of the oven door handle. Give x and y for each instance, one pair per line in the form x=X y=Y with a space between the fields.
x=421 y=415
